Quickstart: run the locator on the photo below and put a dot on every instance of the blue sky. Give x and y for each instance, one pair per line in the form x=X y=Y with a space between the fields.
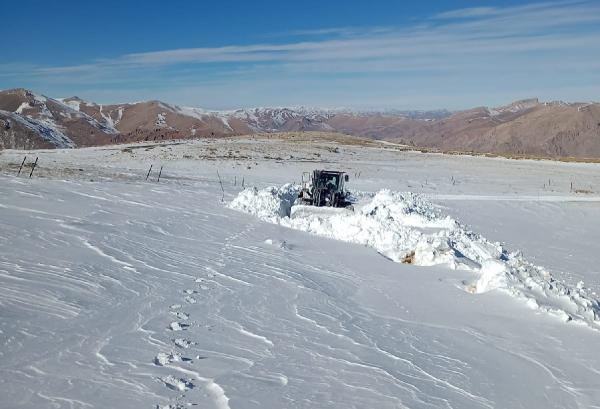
x=359 y=54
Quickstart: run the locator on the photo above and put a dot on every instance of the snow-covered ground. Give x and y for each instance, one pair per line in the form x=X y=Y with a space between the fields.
x=117 y=291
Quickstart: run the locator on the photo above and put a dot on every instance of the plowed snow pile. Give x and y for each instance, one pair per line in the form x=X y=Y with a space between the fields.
x=406 y=227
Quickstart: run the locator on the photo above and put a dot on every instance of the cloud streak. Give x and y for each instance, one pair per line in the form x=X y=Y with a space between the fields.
x=564 y=35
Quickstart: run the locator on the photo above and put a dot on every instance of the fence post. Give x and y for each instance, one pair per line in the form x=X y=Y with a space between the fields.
x=149 y=170
x=22 y=163
x=221 y=183
x=33 y=167
x=159 y=173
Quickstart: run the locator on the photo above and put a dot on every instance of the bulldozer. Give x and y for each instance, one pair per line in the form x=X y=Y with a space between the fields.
x=324 y=188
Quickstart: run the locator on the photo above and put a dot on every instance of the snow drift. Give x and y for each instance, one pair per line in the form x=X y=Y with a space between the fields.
x=406 y=227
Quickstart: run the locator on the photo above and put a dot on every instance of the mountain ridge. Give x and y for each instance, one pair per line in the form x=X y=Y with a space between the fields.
x=528 y=126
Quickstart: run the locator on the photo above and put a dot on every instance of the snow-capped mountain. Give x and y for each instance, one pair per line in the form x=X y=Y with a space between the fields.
x=30 y=120
x=531 y=127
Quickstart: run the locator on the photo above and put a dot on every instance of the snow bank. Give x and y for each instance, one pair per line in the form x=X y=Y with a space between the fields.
x=493 y=276
x=271 y=204
x=407 y=228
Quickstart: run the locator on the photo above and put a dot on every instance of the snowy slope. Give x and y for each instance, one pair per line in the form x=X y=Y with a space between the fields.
x=47 y=130
x=45 y=121
x=406 y=228
x=117 y=292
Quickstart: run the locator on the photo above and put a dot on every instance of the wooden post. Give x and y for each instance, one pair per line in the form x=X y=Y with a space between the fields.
x=22 y=163
x=243 y=179
x=33 y=167
x=235 y=181
x=149 y=170
x=159 y=173
x=221 y=183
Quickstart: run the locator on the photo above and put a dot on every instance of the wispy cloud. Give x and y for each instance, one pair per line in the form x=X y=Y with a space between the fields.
x=338 y=31
x=475 y=12
x=468 y=13
x=470 y=44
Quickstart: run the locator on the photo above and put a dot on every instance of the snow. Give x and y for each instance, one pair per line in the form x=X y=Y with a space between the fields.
x=493 y=276
x=48 y=130
x=69 y=109
x=270 y=204
x=203 y=114
x=259 y=117
x=109 y=122
x=39 y=98
x=74 y=104
x=405 y=227
x=161 y=120
x=270 y=119
x=515 y=107
x=120 y=292
x=24 y=105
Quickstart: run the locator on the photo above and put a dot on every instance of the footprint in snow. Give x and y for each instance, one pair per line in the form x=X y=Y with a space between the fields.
x=201 y=283
x=181 y=315
x=281 y=244
x=174 y=307
x=190 y=291
x=177 y=384
x=189 y=299
x=183 y=343
x=178 y=326
x=163 y=359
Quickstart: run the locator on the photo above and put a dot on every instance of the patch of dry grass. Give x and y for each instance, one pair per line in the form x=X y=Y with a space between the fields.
x=316 y=137
x=516 y=156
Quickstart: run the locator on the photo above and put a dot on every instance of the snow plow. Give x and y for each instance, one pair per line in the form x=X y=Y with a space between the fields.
x=323 y=189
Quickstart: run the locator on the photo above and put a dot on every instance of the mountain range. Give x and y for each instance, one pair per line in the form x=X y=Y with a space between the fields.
x=526 y=127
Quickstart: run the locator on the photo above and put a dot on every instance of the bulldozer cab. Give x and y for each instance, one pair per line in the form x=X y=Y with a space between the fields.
x=325 y=188
x=329 y=180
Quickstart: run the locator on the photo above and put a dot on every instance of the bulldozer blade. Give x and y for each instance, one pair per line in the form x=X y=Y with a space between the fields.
x=301 y=211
